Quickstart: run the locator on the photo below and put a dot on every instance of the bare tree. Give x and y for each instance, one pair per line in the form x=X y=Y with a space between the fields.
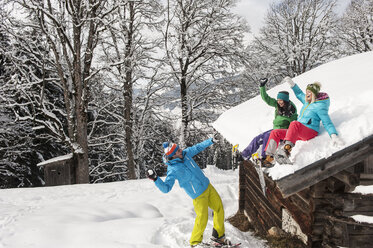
x=356 y=27
x=129 y=48
x=296 y=37
x=203 y=42
x=70 y=31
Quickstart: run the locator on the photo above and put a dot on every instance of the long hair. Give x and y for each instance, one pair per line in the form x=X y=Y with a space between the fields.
x=314 y=96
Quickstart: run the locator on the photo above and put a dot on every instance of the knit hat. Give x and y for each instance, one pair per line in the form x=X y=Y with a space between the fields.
x=283 y=95
x=170 y=149
x=315 y=88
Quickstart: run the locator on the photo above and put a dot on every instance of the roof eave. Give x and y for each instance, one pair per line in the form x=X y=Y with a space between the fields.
x=324 y=168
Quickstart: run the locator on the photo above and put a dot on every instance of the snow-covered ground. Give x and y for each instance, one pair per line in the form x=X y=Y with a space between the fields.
x=112 y=215
x=349 y=84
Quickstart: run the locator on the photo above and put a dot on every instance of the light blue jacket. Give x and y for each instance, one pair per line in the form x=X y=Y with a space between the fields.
x=191 y=178
x=312 y=113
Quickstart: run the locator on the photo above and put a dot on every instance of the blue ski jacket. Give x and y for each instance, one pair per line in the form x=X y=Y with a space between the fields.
x=312 y=113
x=191 y=178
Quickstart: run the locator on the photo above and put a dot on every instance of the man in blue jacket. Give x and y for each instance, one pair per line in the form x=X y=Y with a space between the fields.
x=182 y=167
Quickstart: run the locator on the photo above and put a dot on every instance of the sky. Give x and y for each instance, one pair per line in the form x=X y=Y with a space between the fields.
x=254 y=11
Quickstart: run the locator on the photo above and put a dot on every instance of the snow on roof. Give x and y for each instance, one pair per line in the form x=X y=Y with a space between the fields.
x=349 y=84
x=56 y=159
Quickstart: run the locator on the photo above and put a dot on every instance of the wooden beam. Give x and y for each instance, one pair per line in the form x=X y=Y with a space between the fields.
x=349 y=179
x=326 y=167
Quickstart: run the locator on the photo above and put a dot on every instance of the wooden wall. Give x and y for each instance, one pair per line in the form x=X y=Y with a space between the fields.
x=322 y=211
x=266 y=211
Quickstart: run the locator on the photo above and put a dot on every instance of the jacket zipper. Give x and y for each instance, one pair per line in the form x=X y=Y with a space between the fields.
x=192 y=187
x=304 y=110
x=195 y=192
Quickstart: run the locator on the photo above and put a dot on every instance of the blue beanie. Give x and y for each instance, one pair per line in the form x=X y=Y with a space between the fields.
x=283 y=95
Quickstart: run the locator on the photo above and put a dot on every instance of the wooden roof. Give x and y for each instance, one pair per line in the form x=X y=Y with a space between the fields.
x=325 y=168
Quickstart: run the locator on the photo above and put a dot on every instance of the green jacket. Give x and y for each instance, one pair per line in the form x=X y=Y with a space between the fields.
x=283 y=116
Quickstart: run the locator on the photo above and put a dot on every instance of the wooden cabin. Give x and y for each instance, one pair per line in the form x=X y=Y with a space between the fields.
x=316 y=202
x=59 y=170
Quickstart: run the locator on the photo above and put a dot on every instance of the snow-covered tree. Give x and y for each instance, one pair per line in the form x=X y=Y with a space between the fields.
x=69 y=32
x=203 y=42
x=297 y=36
x=129 y=47
x=355 y=27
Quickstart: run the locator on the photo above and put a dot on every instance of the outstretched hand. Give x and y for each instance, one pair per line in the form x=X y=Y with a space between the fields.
x=336 y=141
x=263 y=81
x=289 y=81
x=215 y=137
x=151 y=174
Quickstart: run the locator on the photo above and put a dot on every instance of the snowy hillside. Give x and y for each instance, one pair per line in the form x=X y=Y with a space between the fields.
x=130 y=214
x=349 y=83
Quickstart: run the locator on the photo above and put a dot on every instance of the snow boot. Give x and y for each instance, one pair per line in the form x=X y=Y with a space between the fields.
x=255 y=157
x=222 y=241
x=285 y=150
x=283 y=153
x=268 y=162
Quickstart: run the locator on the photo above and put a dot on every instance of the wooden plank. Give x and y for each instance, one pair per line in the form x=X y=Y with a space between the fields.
x=334 y=185
x=241 y=193
x=350 y=180
x=257 y=191
x=361 y=241
x=303 y=219
x=257 y=219
x=360 y=230
x=303 y=205
x=260 y=200
x=363 y=205
x=325 y=168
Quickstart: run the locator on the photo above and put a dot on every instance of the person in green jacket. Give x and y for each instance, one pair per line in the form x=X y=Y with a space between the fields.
x=285 y=112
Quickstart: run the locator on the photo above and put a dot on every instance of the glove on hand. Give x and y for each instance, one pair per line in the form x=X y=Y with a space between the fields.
x=215 y=137
x=336 y=141
x=289 y=81
x=263 y=81
x=151 y=174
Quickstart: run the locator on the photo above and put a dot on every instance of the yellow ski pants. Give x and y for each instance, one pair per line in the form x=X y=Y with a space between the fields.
x=209 y=198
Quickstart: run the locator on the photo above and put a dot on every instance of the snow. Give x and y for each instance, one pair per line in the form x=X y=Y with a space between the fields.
x=129 y=214
x=364 y=189
x=363 y=218
x=349 y=84
x=56 y=159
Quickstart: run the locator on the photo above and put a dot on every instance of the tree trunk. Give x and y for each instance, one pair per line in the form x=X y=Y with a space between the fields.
x=184 y=114
x=127 y=94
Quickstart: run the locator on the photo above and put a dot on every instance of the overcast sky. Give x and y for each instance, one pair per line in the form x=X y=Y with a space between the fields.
x=254 y=11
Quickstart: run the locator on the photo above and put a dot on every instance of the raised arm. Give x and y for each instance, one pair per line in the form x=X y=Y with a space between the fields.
x=197 y=148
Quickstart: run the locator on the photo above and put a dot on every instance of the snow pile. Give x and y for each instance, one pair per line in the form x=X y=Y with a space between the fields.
x=113 y=215
x=348 y=82
x=363 y=189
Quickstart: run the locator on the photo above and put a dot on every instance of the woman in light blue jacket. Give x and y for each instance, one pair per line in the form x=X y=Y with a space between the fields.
x=314 y=110
x=182 y=167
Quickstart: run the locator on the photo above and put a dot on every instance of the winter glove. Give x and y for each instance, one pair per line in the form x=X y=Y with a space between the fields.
x=151 y=174
x=215 y=137
x=336 y=141
x=263 y=81
x=289 y=81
